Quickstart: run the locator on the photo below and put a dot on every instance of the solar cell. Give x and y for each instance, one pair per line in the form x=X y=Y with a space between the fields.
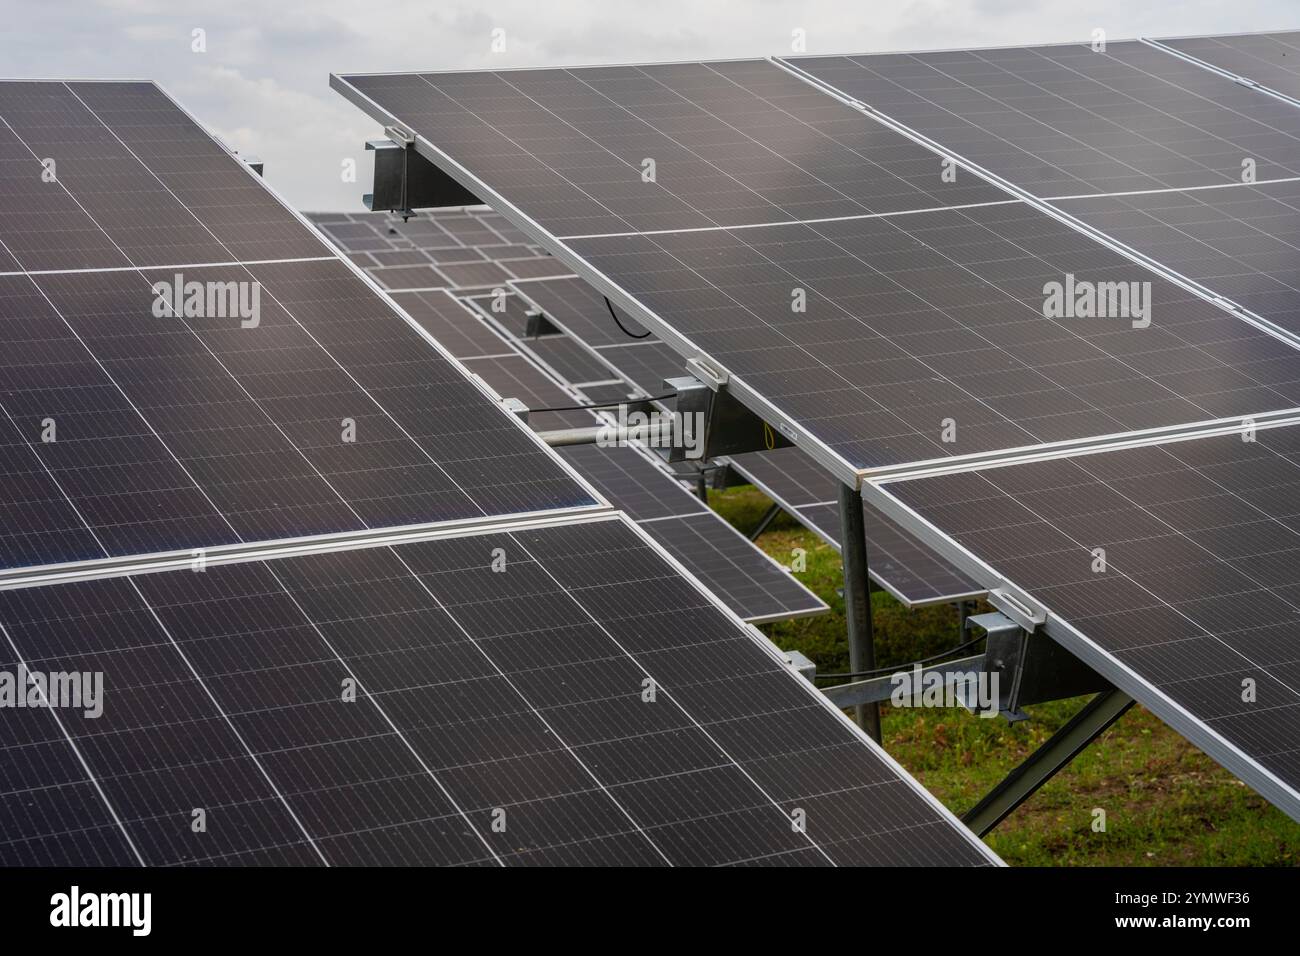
x=226 y=694
x=1270 y=59
x=1065 y=120
x=910 y=321
x=1193 y=608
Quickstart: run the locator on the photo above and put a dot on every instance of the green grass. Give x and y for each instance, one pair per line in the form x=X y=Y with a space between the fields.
x=1165 y=803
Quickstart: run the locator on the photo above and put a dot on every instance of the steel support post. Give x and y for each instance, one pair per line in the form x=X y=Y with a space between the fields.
x=1040 y=766
x=857 y=600
x=768 y=517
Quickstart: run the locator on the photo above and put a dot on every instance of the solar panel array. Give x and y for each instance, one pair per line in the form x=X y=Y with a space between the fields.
x=492 y=344
x=526 y=677
x=902 y=317
x=866 y=245
x=899 y=563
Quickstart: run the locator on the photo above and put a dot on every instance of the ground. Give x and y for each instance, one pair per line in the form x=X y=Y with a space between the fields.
x=1165 y=802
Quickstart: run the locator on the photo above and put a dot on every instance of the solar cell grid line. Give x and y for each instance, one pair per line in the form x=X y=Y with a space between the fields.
x=414 y=770
x=1066 y=119
x=1269 y=59
x=690 y=341
x=1200 y=590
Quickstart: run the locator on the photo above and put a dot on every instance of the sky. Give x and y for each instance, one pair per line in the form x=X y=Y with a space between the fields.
x=261 y=83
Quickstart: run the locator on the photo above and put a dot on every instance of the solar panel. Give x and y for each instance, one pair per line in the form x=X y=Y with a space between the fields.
x=1194 y=606
x=309 y=409
x=228 y=696
x=1269 y=59
x=910 y=317
x=1066 y=120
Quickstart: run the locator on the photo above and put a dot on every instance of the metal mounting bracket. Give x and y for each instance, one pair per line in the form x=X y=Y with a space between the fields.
x=404 y=180
x=1025 y=666
x=729 y=428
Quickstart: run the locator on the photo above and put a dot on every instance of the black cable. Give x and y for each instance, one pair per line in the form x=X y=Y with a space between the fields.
x=614 y=316
x=626 y=401
x=880 y=671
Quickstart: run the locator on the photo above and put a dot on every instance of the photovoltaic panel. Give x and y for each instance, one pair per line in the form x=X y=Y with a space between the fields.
x=645 y=364
x=315 y=409
x=160 y=190
x=1270 y=59
x=743 y=577
x=910 y=320
x=223 y=692
x=1200 y=592
x=1067 y=120
x=561 y=142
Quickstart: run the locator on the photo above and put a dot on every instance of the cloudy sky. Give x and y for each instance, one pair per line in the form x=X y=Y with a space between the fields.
x=262 y=83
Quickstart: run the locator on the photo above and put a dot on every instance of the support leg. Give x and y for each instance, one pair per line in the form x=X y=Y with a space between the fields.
x=1040 y=766
x=857 y=599
x=768 y=517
